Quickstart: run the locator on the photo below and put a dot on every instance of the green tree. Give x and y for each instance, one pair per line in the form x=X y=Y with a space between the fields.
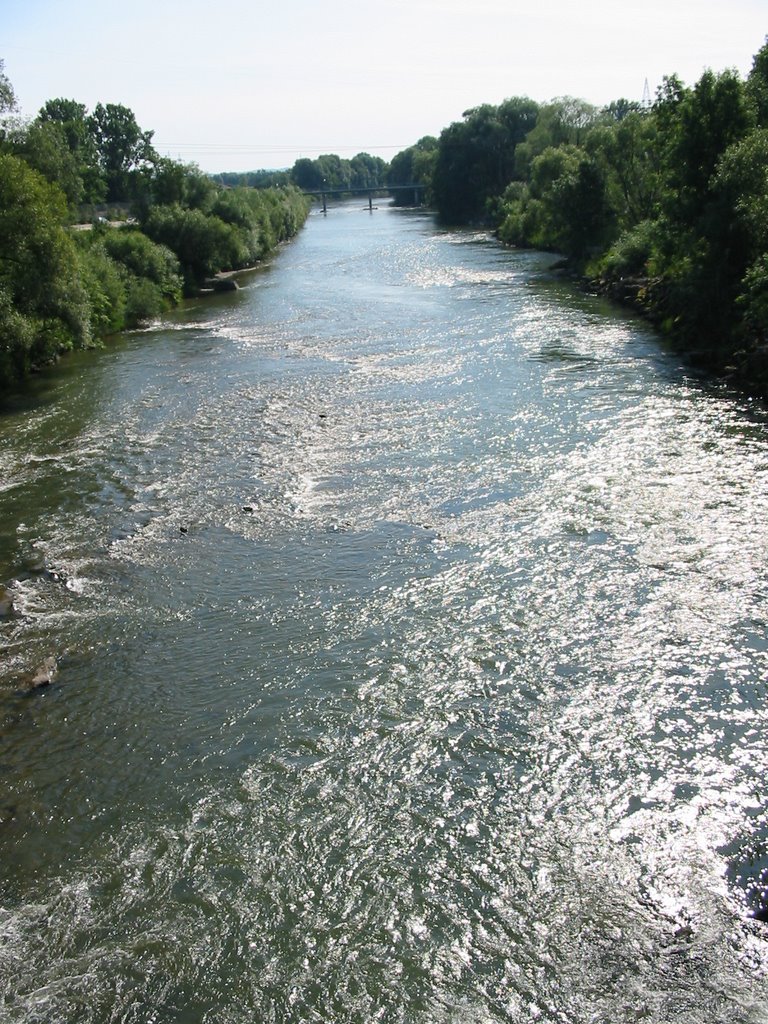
x=565 y=206
x=617 y=110
x=203 y=244
x=307 y=175
x=143 y=258
x=7 y=95
x=695 y=127
x=199 y=189
x=476 y=157
x=44 y=146
x=413 y=166
x=757 y=86
x=46 y=307
x=563 y=122
x=71 y=118
x=105 y=286
x=169 y=182
x=367 y=171
x=123 y=149
x=626 y=149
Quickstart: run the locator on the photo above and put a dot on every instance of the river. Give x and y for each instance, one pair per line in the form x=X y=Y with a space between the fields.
x=410 y=616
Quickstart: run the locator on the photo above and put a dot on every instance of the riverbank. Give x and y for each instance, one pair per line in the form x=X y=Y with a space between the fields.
x=741 y=364
x=107 y=279
x=743 y=367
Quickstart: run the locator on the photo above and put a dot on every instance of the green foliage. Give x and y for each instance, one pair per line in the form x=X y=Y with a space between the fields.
x=669 y=206
x=204 y=244
x=617 y=110
x=414 y=166
x=565 y=206
x=695 y=131
x=17 y=334
x=199 y=189
x=38 y=269
x=122 y=148
x=7 y=95
x=331 y=174
x=243 y=226
x=128 y=278
x=143 y=301
x=253 y=179
x=563 y=122
x=170 y=183
x=306 y=174
x=627 y=151
x=145 y=259
x=631 y=253
x=327 y=173
x=753 y=304
x=757 y=86
x=71 y=119
x=105 y=286
x=44 y=146
x=476 y=158
x=367 y=171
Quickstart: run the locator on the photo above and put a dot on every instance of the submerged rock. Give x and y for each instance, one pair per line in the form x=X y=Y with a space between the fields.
x=221 y=284
x=45 y=673
x=6 y=604
x=225 y=284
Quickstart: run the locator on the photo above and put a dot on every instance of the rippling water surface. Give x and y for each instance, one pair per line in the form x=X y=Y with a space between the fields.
x=410 y=612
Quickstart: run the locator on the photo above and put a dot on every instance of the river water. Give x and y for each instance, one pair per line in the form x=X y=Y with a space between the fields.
x=410 y=615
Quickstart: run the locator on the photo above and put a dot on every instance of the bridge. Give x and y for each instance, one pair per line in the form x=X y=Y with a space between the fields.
x=323 y=193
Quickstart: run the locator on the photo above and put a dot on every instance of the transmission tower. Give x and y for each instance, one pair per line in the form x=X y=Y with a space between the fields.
x=646 y=102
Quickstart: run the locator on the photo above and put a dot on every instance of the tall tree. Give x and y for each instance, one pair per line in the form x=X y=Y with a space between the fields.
x=44 y=146
x=71 y=118
x=757 y=85
x=476 y=157
x=696 y=126
x=123 y=148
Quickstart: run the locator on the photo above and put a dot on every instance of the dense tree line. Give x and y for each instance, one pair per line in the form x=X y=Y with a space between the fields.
x=665 y=206
x=414 y=166
x=62 y=288
x=253 y=179
x=335 y=175
x=328 y=173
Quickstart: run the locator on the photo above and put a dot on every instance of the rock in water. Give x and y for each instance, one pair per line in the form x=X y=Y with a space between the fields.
x=225 y=284
x=44 y=674
x=6 y=604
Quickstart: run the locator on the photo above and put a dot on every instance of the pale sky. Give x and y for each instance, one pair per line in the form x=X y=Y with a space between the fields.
x=248 y=84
